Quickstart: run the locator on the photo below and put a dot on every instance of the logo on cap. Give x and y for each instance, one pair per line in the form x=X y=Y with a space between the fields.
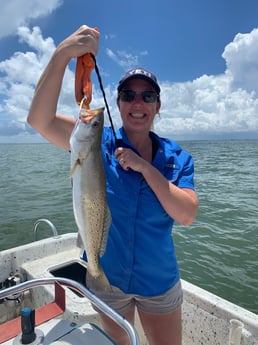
x=141 y=72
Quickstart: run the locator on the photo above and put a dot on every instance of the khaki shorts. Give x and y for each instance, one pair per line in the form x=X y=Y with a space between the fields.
x=161 y=304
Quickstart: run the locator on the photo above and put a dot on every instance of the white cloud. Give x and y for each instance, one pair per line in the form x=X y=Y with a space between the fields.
x=213 y=105
x=110 y=36
x=207 y=106
x=17 y=13
x=21 y=72
x=242 y=63
x=124 y=59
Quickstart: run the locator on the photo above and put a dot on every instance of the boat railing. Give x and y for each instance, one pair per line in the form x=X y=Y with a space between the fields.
x=48 y=222
x=121 y=321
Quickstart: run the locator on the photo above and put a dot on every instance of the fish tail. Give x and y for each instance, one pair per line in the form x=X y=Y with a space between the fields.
x=99 y=282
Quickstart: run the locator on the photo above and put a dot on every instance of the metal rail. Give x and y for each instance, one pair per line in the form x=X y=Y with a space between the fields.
x=121 y=321
x=44 y=220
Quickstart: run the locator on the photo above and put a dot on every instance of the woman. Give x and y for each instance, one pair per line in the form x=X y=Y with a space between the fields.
x=149 y=186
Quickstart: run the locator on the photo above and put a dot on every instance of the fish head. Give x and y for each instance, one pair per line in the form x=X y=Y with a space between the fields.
x=87 y=132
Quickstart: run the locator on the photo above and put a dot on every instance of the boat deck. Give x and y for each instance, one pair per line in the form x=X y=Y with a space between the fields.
x=207 y=318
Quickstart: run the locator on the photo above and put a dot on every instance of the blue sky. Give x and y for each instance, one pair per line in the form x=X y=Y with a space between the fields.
x=204 y=54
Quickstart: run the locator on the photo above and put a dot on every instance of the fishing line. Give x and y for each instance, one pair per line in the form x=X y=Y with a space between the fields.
x=104 y=96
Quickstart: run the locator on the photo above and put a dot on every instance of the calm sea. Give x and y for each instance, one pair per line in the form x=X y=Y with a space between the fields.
x=219 y=252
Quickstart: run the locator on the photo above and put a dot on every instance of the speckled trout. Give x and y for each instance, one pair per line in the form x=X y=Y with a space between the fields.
x=91 y=211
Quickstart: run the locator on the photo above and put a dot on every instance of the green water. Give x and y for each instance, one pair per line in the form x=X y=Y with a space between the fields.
x=219 y=252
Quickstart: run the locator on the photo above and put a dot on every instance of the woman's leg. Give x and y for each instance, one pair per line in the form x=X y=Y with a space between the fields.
x=114 y=330
x=162 y=329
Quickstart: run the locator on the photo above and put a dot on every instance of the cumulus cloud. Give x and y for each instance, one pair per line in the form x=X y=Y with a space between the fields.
x=216 y=105
x=225 y=104
x=21 y=72
x=242 y=62
x=18 y=13
x=207 y=106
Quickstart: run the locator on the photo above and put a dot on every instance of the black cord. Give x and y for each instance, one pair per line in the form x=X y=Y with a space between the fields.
x=104 y=96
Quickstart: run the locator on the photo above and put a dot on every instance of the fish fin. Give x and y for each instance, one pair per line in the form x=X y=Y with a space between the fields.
x=98 y=283
x=75 y=166
x=107 y=223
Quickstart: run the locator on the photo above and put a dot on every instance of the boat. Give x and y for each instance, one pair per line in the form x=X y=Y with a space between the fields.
x=43 y=300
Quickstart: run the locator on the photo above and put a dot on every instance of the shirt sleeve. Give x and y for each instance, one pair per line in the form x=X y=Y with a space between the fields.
x=185 y=177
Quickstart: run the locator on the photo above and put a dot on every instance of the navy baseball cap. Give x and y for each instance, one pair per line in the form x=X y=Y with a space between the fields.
x=140 y=73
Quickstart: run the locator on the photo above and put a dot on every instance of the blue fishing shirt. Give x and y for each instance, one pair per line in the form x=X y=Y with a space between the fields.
x=140 y=255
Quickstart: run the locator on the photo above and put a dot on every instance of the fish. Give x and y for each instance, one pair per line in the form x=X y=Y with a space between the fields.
x=90 y=207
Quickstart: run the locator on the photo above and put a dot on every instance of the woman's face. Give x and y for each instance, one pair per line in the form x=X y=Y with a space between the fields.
x=138 y=115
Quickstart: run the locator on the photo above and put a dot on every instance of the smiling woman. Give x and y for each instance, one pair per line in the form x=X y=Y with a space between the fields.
x=136 y=100
x=156 y=188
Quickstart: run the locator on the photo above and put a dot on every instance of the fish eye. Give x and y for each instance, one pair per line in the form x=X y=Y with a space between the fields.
x=95 y=124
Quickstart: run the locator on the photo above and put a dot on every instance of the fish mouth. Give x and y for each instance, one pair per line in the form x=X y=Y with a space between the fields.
x=86 y=115
x=86 y=119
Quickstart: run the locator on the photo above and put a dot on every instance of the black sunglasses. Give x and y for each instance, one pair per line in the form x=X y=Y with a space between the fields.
x=148 y=96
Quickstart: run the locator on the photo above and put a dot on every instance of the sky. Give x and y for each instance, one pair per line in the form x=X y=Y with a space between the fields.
x=204 y=54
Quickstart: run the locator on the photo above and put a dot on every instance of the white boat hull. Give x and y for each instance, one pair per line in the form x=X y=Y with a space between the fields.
x=206 y=317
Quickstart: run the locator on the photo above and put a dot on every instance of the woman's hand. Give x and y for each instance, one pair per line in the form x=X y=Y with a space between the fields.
x=84 y=40
x=42 y=114
x=180 y=203
x=128 y=159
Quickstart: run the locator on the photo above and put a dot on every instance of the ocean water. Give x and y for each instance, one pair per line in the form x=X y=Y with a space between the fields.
x=218 y=252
